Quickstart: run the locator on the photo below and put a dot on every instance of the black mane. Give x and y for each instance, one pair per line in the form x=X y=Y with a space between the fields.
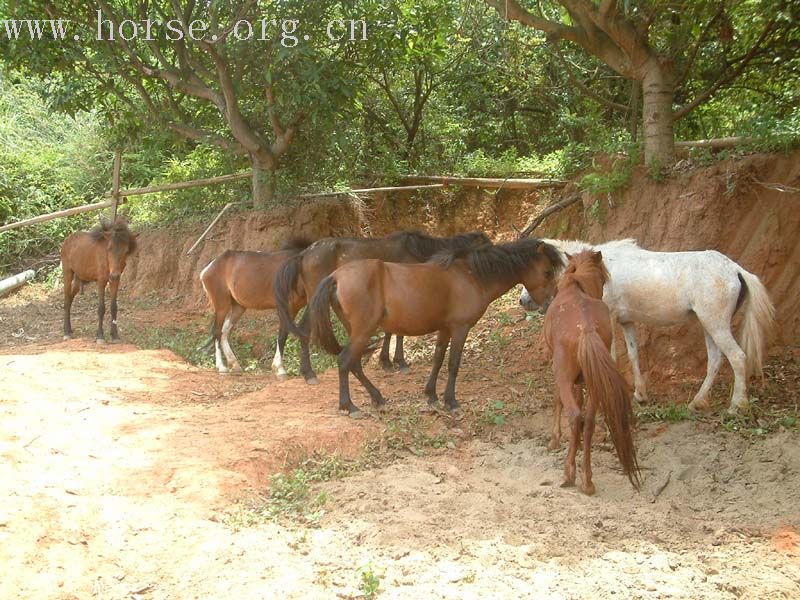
x=119 y=231
x=423 y=246
x=502 y=261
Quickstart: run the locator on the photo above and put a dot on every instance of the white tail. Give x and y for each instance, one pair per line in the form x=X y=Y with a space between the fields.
x=759 y=322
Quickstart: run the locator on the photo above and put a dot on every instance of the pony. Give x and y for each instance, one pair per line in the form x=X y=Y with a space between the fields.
x=668 y=288
x=577 y=329
x=306 y=270
x=237 y=280
x=100 y=255
x=447 y=294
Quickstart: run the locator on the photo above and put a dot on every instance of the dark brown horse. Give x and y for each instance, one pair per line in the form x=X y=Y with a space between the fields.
x=97 y=255
x=577 y=328
x=447 y=294
x=238 y=280
x=323 y=257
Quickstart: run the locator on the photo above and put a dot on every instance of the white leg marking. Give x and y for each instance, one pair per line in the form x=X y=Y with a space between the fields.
x=218 y=358
x=226 y=347
x=277 y=362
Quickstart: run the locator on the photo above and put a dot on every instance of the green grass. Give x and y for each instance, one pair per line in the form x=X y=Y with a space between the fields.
x=369 y=582
x=670 y=413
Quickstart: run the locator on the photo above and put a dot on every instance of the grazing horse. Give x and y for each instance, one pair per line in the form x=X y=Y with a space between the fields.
x=238 y=280
x=448 y=295
x=577 y=329
x=668 y=288
x=96 y=255
x=322 y=258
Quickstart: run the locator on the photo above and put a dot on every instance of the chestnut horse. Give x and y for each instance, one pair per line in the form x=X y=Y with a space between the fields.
x=577 y=328
x=237 y=280
x=323 y=257
x=448 y=294
x=96 y=255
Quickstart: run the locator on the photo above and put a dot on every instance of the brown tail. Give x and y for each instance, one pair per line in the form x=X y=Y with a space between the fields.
x=609 y=388
x=319 y=310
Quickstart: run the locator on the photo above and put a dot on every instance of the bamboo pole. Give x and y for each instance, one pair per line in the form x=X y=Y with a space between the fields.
x=726 y=142
x=372 y=190
x=490 y=183
x=214 y=222
x=181 y=185
x=115 y=185
x=57 y=215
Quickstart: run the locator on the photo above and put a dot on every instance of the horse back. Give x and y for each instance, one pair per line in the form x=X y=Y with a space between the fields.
x=572 y=312
x=85 y=256
x=247 y=276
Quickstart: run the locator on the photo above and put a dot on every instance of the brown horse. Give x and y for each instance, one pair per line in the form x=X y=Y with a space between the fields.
x=97 y=255
x=323 y=257
x=238 y=280
x=447 y=294
x=577 y=328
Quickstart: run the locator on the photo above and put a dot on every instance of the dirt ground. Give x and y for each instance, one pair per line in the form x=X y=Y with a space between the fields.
x=119 y=466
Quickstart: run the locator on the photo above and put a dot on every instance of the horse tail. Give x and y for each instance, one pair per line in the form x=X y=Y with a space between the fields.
x=607 y=387
x=759 y=321
x=284 y=285
x=319 y=310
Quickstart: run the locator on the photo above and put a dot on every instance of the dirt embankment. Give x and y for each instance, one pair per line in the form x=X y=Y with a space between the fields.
x=744 y=208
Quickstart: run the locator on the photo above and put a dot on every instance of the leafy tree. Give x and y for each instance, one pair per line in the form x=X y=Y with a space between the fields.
x=658 y=44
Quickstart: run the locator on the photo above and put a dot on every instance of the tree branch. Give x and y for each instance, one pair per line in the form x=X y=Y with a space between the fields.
x=583 y=88
x=705 y=95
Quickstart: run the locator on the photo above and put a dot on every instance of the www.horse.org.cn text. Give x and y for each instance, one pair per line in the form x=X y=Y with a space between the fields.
x=289 y=33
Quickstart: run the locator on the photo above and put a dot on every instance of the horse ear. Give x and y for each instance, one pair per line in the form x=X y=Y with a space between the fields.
x=568 y=256
x=105 y=223
x=597 y=256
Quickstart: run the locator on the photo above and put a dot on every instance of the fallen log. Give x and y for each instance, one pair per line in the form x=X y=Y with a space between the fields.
x=549 y=211
x=11 y=283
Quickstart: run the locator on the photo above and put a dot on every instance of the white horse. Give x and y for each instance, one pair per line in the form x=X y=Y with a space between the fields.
x=667 y=288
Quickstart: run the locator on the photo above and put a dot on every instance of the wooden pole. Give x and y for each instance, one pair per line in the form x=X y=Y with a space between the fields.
x=214 y=222
x=181 y=185
x=115 y=185
x=57 y=215
x=549 y=211
x=490 y=183
x=726 y=142
x=12 y=283
x=372 y=190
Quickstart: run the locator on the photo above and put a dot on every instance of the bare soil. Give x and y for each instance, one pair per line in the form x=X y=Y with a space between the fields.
x=121 y=467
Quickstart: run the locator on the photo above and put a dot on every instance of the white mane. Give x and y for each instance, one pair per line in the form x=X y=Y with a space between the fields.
x=575 y=246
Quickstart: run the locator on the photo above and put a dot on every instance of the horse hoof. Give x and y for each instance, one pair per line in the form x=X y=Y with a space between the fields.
x=281 y=376
x=116 y=341
x=312 y=381
x=357 y=414
x=404 y=369
x=695 y=406
x=387 y=366
x=434 y=405
x=553 y=446
x=567 y=483
x=456 y=414
x=100 y=341
x=588 y=489
x=67 y=337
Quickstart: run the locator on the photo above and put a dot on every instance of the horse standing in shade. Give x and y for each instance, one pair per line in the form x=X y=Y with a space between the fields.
x=307 y=269
x=668 y=288
x=97 y=255
x=448 y=294
x=577 y=329
x=238 y=280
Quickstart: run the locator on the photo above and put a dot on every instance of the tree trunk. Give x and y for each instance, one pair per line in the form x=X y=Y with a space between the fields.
x=657 y=92
x=263 y=184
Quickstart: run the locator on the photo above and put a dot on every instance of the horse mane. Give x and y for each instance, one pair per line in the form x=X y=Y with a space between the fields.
x=296 y=243
x=120 y=233
x=423 y=246
x=491 y=262
x=630 y=242
x=582 y=269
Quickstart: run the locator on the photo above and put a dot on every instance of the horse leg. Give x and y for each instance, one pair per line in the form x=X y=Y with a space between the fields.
x=555 y=432
x=714 y=358
x=356 y=350
x=220 y=317
x=277 y=361
x=442 y=340
x=454 y=362
x=231 y=319
x=68 y=297
x=384 y=359
x=343 y=359
x=305 y=354
x=629 y=331
x=113 y=288
x=733 y=352
x=101 y=310
x=399 y=356
x=587 y=487
x=565 y=391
